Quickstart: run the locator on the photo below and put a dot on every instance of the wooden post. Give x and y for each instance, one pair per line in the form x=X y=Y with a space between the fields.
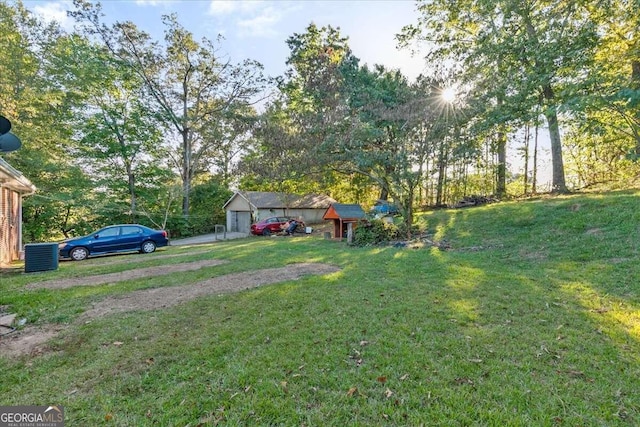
x=349 y=232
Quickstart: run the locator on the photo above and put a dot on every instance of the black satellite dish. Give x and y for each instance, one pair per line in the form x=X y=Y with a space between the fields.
x=9 y=142
x=5 y=125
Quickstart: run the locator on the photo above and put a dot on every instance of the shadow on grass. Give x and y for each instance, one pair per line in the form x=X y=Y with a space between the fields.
x=539 y=330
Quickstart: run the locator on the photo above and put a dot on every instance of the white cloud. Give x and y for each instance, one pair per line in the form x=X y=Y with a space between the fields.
x=249 y=18
x=227 y=7
x=263 y=25
x=148 y=2
x=55 y=11
x=222 y=7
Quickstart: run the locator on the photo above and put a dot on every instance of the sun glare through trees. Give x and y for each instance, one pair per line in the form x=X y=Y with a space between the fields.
x=448 y=95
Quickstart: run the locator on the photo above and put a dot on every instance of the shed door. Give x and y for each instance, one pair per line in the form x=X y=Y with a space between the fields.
x=242 y=222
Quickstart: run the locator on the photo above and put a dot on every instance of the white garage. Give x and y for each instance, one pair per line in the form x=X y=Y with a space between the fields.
x=247 y=207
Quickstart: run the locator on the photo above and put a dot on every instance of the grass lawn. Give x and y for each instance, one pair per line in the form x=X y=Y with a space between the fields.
x=531 y=318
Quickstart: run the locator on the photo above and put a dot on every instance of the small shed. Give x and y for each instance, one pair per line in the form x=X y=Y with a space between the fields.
x=342 y=215
x=245 y=207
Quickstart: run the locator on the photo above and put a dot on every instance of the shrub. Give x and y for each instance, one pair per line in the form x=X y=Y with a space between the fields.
x=375 y=231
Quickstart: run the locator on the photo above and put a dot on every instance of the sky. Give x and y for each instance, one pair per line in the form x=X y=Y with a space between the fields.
x=258 y=30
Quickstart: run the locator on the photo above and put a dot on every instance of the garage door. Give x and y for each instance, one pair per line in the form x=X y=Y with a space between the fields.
x=240 y=221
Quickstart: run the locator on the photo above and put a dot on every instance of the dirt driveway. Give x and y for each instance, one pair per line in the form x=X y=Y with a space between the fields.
x=124 y=275
x=32 y=340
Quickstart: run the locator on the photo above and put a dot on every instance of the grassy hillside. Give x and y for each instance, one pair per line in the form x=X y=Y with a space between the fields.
x=531 y=318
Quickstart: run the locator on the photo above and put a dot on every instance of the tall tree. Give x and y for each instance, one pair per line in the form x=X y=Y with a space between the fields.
x=615 y=100
x=532 y=52
x=395 y=127
x=118 y=138
x=335 y=115
x=306 y=113
x=41 y=110
x=234 y=132
x=191 y=84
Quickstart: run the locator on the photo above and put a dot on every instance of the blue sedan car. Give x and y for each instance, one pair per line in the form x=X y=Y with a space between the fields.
x=114 y=239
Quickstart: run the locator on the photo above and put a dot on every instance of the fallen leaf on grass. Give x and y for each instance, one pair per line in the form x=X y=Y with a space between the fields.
x=118 y=343
x=463 y=380
x=404 y=377
x=108 y=417
x=388 y=393
x=356 y=356
x=382 y=379
x=573 y=373
x=352 y=391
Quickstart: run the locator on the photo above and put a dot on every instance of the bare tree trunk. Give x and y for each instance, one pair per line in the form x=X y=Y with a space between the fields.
x=186 y=173
x=408 y=220
x=442 y=168
x=489 y=169
x=465 y=176
x=558 y=184
x=501 y=169
x=534 y=173
x=426 y=199
x=132 y=194
x=527 y=136
x=635 y=84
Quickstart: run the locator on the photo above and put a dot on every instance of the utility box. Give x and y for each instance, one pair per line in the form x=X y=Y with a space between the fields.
x=40 y=257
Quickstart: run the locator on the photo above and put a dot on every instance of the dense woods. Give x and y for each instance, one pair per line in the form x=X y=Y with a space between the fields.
x=120 y=127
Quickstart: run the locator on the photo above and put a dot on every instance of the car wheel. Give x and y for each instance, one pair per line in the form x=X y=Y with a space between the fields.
x=148 y=247
x=266 y=232
x=79 y=253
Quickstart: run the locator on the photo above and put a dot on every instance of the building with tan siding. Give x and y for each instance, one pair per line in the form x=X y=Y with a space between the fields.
x=13 y=187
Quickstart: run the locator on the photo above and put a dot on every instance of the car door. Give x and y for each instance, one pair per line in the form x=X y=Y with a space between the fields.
x=105 y=240
x=130 y=238
x=269 y=224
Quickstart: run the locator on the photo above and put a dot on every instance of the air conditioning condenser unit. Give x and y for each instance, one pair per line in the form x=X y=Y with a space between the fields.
x=40 y=257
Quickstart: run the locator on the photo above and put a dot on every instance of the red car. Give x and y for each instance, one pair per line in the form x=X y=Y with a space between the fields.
x=273 y=225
